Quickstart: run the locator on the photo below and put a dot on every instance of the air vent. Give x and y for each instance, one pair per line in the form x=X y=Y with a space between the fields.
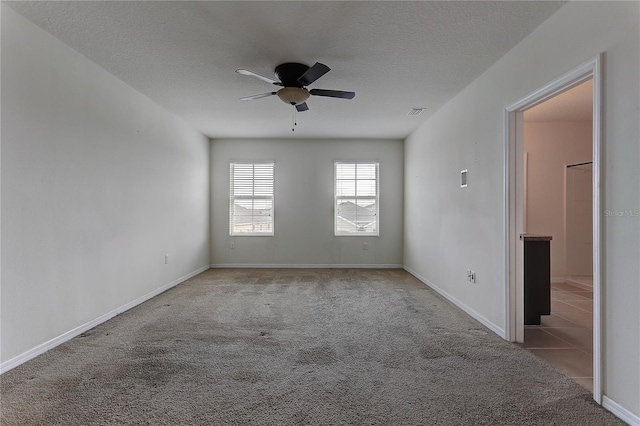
x=415 y=111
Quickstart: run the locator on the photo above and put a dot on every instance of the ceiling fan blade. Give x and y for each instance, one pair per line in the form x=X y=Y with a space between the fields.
x=258 y=76
x=332 y=93
x=313 y=73
x=262 y=95
x=302 y=107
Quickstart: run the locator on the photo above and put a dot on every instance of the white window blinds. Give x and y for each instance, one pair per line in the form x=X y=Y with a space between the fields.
x=251 y=199
x=356 y=198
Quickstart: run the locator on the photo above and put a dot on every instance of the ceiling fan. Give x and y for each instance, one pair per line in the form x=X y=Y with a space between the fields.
x=293 y=77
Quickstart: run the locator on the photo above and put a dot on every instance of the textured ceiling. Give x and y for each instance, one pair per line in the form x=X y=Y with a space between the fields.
x=575 y=104
x=394 y=55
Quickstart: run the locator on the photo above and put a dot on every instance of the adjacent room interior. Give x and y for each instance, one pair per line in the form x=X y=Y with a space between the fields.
x=163 y=175
x=558 y=143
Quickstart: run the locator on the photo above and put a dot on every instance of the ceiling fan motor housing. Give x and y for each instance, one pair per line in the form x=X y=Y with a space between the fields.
x=289 y=73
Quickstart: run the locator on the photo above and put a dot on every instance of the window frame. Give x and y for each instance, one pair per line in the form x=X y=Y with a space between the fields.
x=375 y=199
x=233 y=197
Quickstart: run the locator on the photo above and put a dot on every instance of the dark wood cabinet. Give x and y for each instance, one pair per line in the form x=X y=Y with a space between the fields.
x=537 y=277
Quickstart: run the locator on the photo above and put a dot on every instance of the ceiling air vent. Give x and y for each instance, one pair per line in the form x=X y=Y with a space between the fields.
x=415 y=111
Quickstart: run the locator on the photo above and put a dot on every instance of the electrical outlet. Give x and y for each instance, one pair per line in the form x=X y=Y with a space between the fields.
x=232 y=245
x=166 y=259
x=365 y=246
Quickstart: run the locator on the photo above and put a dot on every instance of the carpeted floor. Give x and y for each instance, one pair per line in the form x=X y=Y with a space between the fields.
x=289 y=347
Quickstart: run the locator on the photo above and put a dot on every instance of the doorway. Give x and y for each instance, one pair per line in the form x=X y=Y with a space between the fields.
x=517 y=221
x=558 y=202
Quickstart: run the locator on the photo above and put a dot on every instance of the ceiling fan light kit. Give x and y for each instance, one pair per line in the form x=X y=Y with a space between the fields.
x=293 y=95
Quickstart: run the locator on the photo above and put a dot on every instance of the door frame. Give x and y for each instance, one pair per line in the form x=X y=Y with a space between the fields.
x=513 y=202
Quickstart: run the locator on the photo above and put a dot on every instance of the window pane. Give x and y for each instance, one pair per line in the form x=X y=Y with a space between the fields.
x=345 y=171
x=366 y=188
x=346 y=188
x=263 y=188
x=262 y=207
x=345 y=217
x=366 y=171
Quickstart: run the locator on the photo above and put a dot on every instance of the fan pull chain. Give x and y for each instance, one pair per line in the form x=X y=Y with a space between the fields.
x=293 y=120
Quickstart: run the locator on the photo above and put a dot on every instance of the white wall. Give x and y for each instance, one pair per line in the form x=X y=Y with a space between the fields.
x=98 y=184
x=304 y=203
x=449 y=229
x=551 y=146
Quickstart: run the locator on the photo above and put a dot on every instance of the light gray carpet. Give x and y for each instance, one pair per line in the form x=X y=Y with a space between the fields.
x=288 y=347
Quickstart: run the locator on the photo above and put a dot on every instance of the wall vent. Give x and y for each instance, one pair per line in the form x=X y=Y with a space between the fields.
x=415 y=111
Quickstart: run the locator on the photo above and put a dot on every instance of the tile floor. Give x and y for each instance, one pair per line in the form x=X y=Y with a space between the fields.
x=565 y=338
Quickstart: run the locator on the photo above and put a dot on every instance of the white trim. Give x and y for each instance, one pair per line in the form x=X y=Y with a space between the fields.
x=525 y=193
x=620 y=412
x=509 y=272
x=44 y=347
x=475 y=315
x=560 y=85
x=597 y=229
x=308 y=265
x=588 y=70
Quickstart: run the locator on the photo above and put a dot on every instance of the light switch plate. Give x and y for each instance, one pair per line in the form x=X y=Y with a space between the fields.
x=464 y=178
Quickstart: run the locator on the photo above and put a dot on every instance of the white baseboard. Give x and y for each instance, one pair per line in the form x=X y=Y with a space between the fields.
x=308 y=266
x=475 y=315
x=44 y=347
x=620 y=412
x=557 y=280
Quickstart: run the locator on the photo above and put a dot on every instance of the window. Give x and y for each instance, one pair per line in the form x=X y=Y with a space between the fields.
x=356 y=198
x=251 y=199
